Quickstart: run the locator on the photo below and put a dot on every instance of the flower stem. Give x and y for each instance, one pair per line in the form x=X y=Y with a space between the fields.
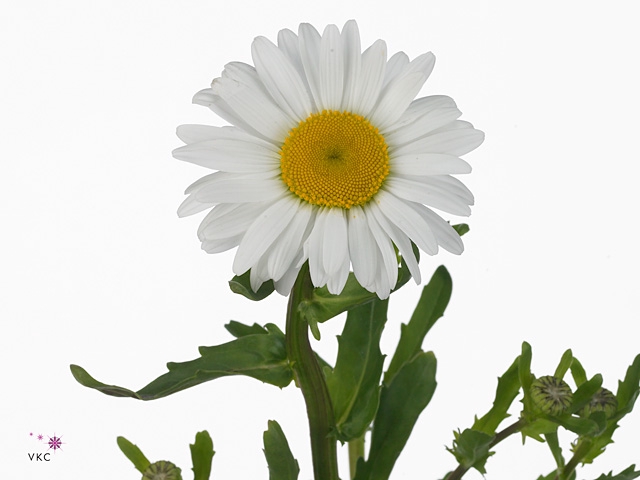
x=510 y=430
x=310 y=379
x=356 y=451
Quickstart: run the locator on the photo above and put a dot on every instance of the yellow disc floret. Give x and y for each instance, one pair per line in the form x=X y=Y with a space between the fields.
x=334 y=159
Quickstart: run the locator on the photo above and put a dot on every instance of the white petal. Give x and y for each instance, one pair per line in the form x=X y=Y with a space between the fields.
x=216 y=213
x=374 y=61
x=233 y=220
x=313 y=250
x=221 y=245
x=362 y=247
x=422 y=126
x=428 y=164
x=253 y=105
x=281 y=79
x=449 y=184
x=337 y=281
x=408 y=221
x=453 y=142
x=447 y=237
x=352 y=63
x=223 y=110
x=229 y=155
x=258 y=274
x=289 y=43
x=421 y=106
x=396 y=64
x=389 y=264
x=335 y=251
x=331 y=69
x=191 y=205
x=395 y=99
x=285 y=284
x=289 y=244
x=263 y=232
x=309 y=39
x=400 y=239
x=240 y=188
x=420 y=191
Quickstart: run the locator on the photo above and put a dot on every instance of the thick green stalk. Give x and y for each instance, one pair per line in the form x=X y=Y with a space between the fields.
x=311 y=381
x=356 y=451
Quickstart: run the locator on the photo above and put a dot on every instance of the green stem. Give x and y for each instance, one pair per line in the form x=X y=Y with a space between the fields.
x=356 y=451
x=500 y=436
x=578 y=455
x=311 y=381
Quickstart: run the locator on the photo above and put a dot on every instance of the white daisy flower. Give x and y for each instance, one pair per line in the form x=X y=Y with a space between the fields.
x=330 y=159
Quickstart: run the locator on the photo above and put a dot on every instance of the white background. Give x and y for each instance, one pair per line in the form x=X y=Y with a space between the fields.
x=96 y=268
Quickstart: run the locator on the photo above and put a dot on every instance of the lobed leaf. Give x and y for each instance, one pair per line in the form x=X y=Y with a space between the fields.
x=133 y=453
x=238 y=329
x=401 y=402
x=282 y=464
x=506 y=392
x=241 y=285
x=201 y=455
x=471 y=449
x=627 y=474
x=431 y=306
x=260 y=356
x=354 y=382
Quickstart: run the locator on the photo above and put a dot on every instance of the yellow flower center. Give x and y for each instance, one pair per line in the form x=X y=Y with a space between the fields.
x=334 y=159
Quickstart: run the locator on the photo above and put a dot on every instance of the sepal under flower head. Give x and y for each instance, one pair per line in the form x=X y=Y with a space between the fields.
x=162 y=470
x=330 y=160
x=551 y=395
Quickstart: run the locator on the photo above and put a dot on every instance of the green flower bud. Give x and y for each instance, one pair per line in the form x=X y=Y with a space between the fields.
x=162 y=471
x=602 y=401
x=551 y=395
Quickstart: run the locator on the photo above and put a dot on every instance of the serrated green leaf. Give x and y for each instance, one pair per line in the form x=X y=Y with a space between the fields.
x=261 y=356
x=238 y=329
x=539 y=427
x=524 y=368
x=556 y=450
x=563 y=366
x=133 y=453
x=577 y=372
x=282 y=464
x=201 y=455
x=431 y=306
x=461 y=228
x=241 y=285
x=401 y=403
x=323 y=305
x=585 y=392
x=471 y=449
x=506 y=392
x=627 y=474
x=629 y=388
x=354 y=383
x=580 y=426
x=554 y=476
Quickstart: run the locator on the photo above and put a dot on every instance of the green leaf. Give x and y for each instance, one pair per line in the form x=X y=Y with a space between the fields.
x=238 y=329
x=563 y=366
x=201 y=455
x=261 y=356
x=461 y=228
x=577 y=372
x=241 y=285
x=471 y=449
x=629 y=388
x=323 y=305
x=282 y=464
x=508 y=388
x=556 y=450
x=401 y=403
x=431 y=306
x=354 y=383
x=628 y=474
x=585 y=392
x=133 y=453
x=524 y=368
x=580 y=426
x=538 y=427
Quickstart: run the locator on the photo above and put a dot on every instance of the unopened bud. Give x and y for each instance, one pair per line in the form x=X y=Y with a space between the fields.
x=551 y=395
x=602 y=401
x=162 y=470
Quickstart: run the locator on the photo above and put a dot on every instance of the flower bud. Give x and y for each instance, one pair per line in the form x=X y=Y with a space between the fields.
x=162 y=470
x=551 y=395
x=602 y=401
